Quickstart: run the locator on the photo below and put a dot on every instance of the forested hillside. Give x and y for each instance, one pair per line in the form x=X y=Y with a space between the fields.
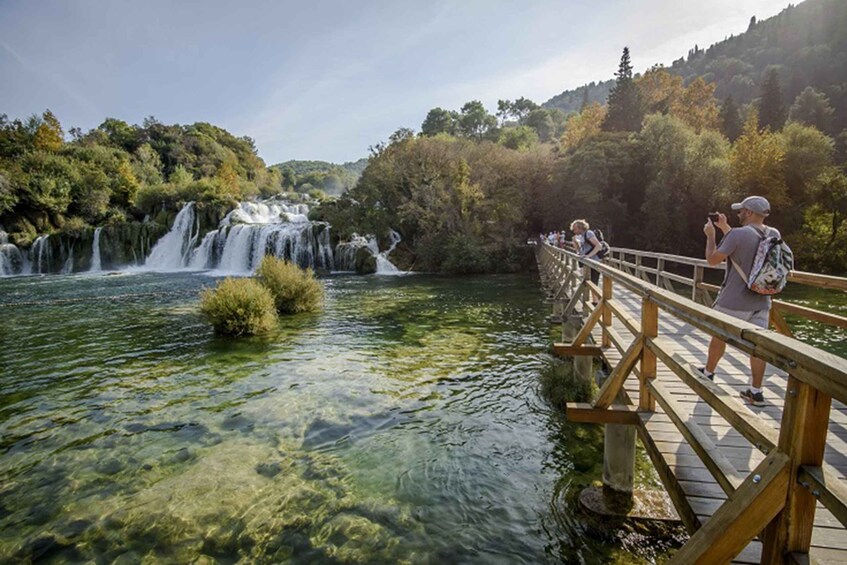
x=117 y=172
x=646 y=166
x=805 y=44
x=331 y=178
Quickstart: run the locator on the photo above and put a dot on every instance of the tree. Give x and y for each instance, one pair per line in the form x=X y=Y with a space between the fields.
x=625 y=110
x=811 y=107
x=808 y=153
x=729 y=119
x=585 y=125
x=542 y=122
x=518 y=110
x=758 y=165
x=771 y=106
x=660 y=90
x=697 y=106
x=439 y=120
x=48 y=134
x=519 y=138
x=475 y=121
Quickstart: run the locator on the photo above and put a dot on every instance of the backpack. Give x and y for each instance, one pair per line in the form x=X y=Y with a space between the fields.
x=604 y=247
x=772 y=264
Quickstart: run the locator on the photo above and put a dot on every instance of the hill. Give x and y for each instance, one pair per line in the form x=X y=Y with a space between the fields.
x=332 y=178
x=806 y=44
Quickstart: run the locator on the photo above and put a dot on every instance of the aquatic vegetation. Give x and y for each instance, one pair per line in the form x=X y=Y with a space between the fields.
x=239 y=307
x=293 y=289
x=560 y=384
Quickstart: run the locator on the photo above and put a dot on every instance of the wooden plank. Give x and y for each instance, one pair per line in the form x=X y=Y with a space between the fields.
x=612 y=385
x=724 y=472
x=649 y=329
x=803 y=438
x=566 y=350
x=818 y=280
x=751 y=507
x=618 y=309
x=831 y=490
x=615 y=414
x=810 y=313
x=585 y=331
x=748 y=424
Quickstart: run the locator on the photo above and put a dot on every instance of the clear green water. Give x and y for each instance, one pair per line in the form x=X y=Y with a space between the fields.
x=402 y=424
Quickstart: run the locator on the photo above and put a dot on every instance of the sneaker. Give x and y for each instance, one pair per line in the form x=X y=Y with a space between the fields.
x=702 y=371
x=756 y=399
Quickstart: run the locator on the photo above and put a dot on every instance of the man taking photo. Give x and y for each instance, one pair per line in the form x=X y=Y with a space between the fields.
x=738 y=247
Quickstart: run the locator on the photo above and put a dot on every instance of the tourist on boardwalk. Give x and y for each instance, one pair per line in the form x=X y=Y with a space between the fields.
x=587 y=245
x=739 y=247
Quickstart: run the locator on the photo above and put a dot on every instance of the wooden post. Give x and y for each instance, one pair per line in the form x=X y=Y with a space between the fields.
x=638 y=272
x=802 y=436
x=607 y=312
x=698 y=278
x=649 y=328
x=660 y=267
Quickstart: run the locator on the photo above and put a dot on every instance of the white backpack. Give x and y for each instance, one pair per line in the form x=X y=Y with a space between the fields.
x=773 y=262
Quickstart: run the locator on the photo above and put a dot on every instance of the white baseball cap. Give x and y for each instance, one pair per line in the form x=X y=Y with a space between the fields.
x=756 y=204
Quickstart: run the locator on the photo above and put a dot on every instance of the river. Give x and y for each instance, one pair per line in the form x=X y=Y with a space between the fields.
x=401 y=424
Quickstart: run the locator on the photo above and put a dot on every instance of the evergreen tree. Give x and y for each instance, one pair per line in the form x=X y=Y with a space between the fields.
x=811 y=107
x=625 y=108
x=730 y=119
x=771 y=105
x=584 y=98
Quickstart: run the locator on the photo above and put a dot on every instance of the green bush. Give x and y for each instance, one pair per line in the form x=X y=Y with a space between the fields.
x=239 y=307
x=293 y=289
x=559 y=384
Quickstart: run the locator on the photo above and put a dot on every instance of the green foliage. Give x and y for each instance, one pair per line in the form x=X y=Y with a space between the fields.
x=238 y=307
x=625 y=108
x=302 y=176
x=771 y=106
x=293 y=289
x=464 y=255
x=560 y=384
x=730 y=119
x=117 y=170
x=811 y=107
x=475 y=121
x=519 y=138
x=439 y=120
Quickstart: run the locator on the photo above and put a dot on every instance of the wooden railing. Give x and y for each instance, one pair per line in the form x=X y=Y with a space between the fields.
x=663 y=269
x=777 y=499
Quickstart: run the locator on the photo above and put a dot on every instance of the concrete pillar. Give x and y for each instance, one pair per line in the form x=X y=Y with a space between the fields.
x=619 y=457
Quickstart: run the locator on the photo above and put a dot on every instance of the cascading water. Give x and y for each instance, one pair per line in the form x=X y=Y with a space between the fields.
x=11 y=258
x=95 y=252
x=41 y=255
x=172 y=251
x=346 y=252
x=244 y=236
x=383 y=265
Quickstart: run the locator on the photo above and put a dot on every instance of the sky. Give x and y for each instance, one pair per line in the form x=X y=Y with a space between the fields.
x=325 y=80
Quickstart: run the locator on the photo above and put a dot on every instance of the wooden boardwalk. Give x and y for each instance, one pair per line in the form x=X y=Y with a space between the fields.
x=695 y=491
x=747 y=490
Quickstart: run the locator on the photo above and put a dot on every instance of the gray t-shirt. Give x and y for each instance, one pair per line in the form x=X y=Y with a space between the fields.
x=740 y=245
x=585 y=244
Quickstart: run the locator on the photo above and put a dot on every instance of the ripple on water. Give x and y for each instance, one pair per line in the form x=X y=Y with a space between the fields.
x=401 y=424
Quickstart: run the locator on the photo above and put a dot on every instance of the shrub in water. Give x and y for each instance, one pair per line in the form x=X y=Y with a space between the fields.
x=293 y=289
x=239 y=307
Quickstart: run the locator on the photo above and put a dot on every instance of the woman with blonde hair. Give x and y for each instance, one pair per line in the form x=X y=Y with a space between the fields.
x=586 y=244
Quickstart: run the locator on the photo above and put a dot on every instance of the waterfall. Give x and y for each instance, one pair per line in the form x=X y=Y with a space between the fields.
x=245 y=235
x=346 y=251
x=41 y=255
x=68 y=265
x=172 y=251
x=95 y=252
x=383 y=265
x=11 y=258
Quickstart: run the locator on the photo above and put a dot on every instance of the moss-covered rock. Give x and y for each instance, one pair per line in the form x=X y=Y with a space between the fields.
x=365 y=261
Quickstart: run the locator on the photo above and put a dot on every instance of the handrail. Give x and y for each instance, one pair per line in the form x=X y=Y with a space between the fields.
x=700 y=289
x=815 y=378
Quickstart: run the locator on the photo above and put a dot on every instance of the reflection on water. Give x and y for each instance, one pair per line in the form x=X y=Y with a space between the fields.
x=402 y=423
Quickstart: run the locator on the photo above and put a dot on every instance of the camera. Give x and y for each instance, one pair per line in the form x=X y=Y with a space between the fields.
x=713 y=216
